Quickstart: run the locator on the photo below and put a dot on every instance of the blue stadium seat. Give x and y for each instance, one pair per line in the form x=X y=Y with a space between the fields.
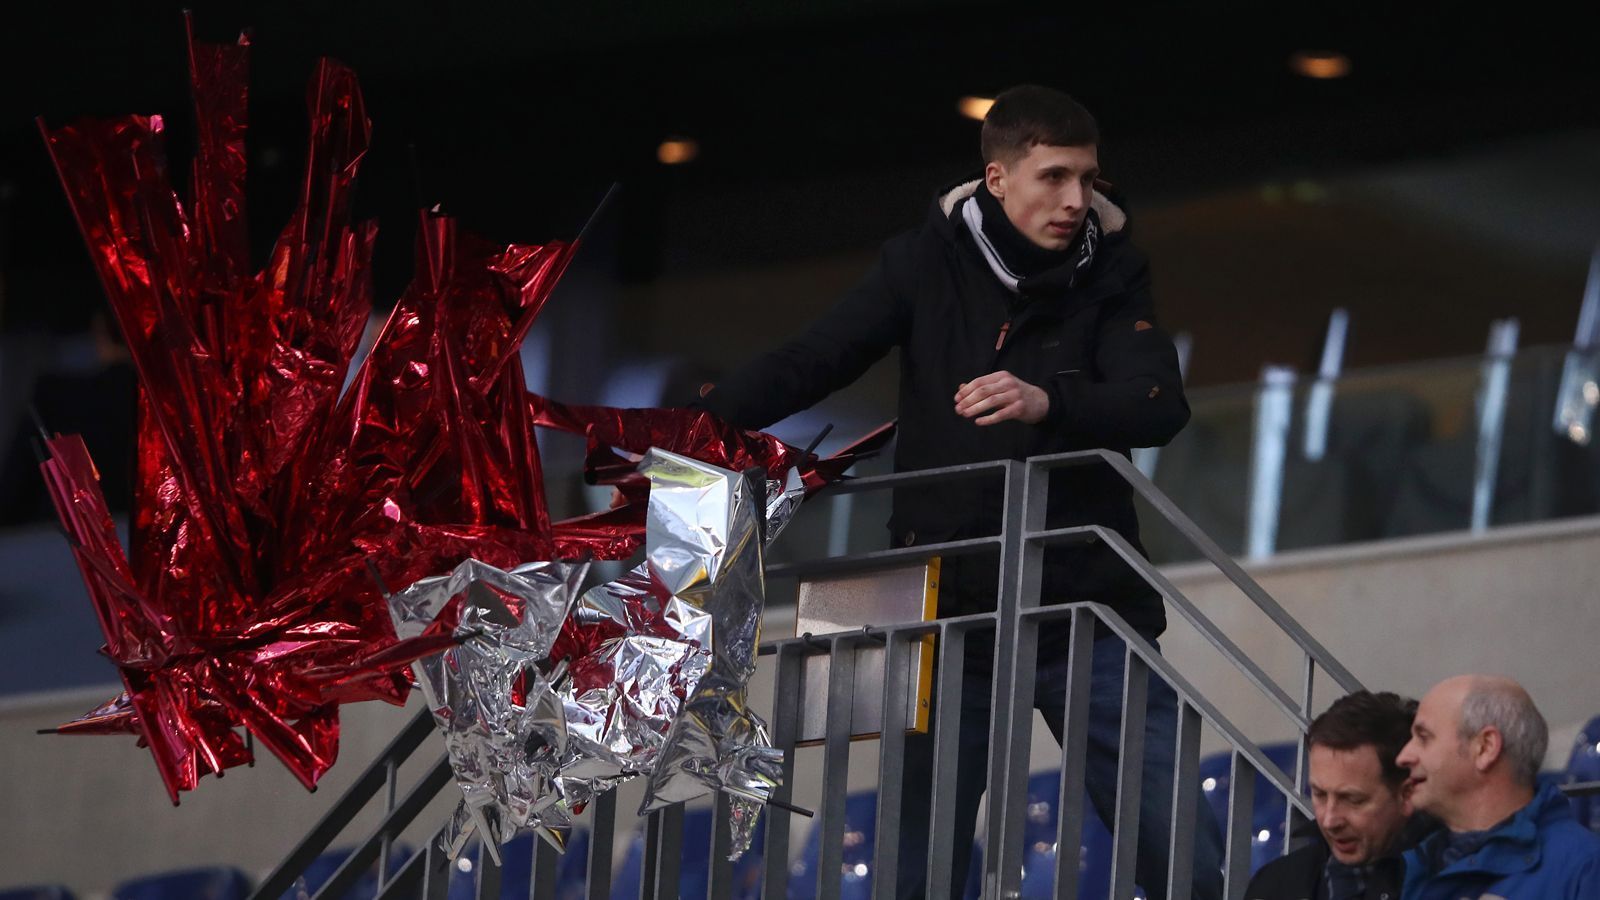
x=1268 y=809
x=694 y=874
x=323 y=867
x=516 y=868
x=1040 y=851
x=213 y=883
x=861 y=817
x=1584 y=765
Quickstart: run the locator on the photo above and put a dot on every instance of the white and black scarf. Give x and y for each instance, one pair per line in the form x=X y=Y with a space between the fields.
x=1021 y=265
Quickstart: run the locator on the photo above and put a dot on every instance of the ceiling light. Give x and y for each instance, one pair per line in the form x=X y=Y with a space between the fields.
x=677 y=151
x=1320 y=64
x=975 y=107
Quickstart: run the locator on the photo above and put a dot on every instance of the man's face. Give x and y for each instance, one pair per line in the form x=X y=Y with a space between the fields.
x=1441 y=768
x=1359 y=813
x=1047 y=192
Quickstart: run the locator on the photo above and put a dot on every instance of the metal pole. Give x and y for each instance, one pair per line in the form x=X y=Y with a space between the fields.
x=1274 y=406
x=1011 y=699
x=1491 y=417
x=1319 y=402
x=1579 y=392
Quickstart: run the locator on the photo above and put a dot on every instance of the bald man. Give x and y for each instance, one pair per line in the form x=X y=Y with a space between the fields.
x=1476 y=746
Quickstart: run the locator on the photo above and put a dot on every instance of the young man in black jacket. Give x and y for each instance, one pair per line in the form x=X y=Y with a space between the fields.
x=1025 y=325
x=1362 y=801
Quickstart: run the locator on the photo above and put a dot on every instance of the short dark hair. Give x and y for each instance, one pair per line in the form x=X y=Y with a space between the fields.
x=1029 y=114
x=1358 y=719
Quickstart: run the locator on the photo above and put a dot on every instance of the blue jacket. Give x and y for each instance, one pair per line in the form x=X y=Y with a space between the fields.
x=1541 y=854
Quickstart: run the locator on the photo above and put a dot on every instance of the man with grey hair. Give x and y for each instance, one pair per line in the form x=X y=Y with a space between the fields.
x=1476 y=746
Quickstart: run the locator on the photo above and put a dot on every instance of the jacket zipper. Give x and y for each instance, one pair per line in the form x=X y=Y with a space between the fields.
x=1001 y=340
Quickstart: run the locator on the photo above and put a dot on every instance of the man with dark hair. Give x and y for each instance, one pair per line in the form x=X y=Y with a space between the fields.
x=1361 y=800
x=1475 y=751
x=1025 y=326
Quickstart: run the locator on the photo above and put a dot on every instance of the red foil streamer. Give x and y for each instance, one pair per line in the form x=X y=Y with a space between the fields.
x=265 y=500
x=244 y=600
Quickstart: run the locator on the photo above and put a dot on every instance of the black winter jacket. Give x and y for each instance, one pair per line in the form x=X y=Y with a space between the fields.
x=1299 y=876
x=1110 y=372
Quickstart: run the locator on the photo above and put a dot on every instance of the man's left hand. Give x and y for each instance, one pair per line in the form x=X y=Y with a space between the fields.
x=1002 y=396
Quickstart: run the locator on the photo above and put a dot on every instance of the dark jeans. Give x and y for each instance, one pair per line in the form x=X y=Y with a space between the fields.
x=1100 y=782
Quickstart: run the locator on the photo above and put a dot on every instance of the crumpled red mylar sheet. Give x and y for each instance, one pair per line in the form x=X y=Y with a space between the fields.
x=261 y=494
x=268 y=507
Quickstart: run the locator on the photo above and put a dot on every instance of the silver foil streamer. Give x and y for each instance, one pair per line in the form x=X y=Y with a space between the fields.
x=493 y=696
x=552 y=699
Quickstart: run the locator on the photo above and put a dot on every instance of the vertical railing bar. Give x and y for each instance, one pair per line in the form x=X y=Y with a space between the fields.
x=720 y=868
x=663 y=853
x=344 y=810
x=436 y=873
x=1185 y=803
x=489 y=873
x=391 y=777
x=836 y=763
x=1241 y=806
x=1130 y=776
x=365 y=854
x=602 y=840
x=897 y=660
x=1074 y=753
x=946 y=756
x=652 y=848
x=1302 y=751
x=546 y=869
x=1013 y=677
x=406 y=882
x=788 y=688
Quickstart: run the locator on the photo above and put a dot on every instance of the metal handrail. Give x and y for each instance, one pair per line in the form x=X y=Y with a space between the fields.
x=1021 y=541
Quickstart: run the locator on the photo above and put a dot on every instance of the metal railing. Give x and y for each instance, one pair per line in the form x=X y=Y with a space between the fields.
x=1020 y=545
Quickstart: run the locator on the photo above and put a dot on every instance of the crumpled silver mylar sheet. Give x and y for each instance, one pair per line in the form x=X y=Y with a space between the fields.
x=493 y=696
x=552 y=699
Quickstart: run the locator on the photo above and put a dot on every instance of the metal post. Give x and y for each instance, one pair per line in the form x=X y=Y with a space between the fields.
x=601 y=841
x=1579 y=392
x=1074 y=753
x=1130 y=776
x=946 y=755
x=891 y=766
x=1319 y=402
x=1241 y=810
x=391 y=778
x=436 y=872
x=663 y=853
x=836 y=764
x=1491 y=417
x=489 y=874
x=788 y=688
x=547 y=863
x=1011 y=699
x=1185 y=803
x=345 y=810
x=1274 y=405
